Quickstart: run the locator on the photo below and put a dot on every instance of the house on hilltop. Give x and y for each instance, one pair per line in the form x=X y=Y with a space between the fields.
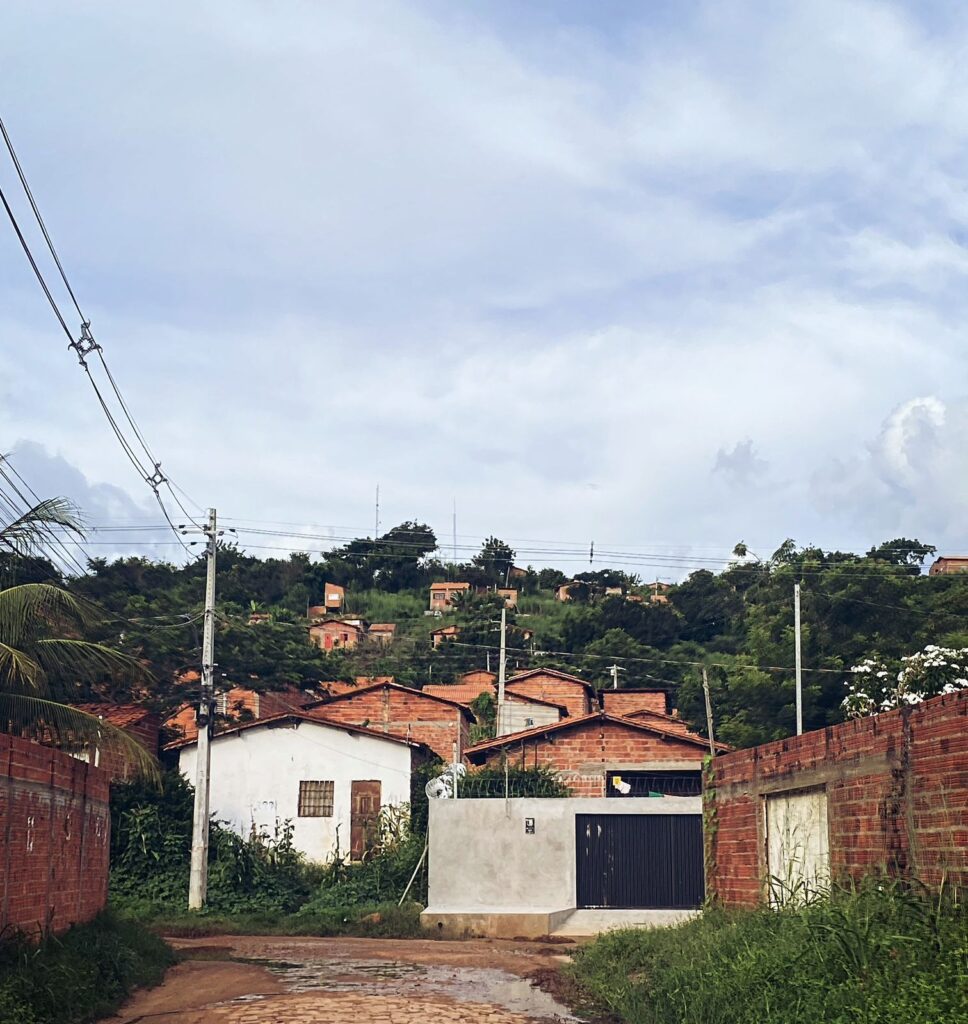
x=335 y=634
x=947 y=565
x=442 y=595
x=382 y=632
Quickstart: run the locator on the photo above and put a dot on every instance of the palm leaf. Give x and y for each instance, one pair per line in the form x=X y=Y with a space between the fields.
x=82 y=660
x=18 y=671
x=26 y=609
x=73 y=730
x=28 y=533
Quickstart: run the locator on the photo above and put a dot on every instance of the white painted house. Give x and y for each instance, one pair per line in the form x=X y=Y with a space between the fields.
x=327 y=778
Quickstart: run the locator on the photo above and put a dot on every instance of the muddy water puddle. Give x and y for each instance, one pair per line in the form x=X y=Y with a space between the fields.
x=485 y=985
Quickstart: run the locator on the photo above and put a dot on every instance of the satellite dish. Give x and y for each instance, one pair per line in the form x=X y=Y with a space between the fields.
x=442 y=788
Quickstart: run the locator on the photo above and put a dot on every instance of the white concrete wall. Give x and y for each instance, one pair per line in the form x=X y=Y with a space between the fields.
x=482 y=860
x=256 y=775
x=513 y=716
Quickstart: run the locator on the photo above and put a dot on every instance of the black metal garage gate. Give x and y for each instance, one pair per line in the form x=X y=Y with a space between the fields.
x=627 y=861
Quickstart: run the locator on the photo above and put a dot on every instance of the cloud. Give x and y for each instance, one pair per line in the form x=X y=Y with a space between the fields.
x=545 y=265
x=741 y=465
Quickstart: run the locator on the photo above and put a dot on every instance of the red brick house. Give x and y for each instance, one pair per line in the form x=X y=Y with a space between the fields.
x=137 y=721
x=400 y=711
x=382 y=632
x=600 y=754
x=950 y=564
x=442 y=595
x=547 y=684
x=438 y=636
x=333 y=634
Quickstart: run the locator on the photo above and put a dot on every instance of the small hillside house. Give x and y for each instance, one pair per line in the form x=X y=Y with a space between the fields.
x=442 y=595
x=382 y=632
x=334 y=634
x=329 y=779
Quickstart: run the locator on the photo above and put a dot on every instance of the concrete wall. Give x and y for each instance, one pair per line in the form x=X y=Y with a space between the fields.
x=895 y=788
x=54 y=837
x=481 y=860
x=518 y=714
x=256 y=774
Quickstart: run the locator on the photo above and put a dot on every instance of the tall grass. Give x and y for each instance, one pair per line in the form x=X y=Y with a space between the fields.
x=877 y=954
x=81 y=975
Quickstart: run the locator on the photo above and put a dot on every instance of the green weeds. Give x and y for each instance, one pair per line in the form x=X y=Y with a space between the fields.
x=876 y=954
x=81 y=975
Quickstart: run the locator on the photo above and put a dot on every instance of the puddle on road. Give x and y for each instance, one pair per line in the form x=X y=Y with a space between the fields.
x=392 y=977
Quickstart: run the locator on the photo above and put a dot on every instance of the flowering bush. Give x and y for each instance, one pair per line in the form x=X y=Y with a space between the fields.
x=874 y=686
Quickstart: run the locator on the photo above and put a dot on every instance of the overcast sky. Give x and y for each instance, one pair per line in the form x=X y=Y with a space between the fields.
x=665 y=275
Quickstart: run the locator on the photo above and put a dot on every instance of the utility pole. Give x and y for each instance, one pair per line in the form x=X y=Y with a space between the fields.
x=376 y=528
x=709 y=711
x=615 y=669
x=796 y=628
x=198 y=879
x=455 y=531
x=502 y=668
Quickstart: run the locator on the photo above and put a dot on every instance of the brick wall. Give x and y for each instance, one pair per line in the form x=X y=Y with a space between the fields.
x=624 y=702
x=582 y=755
x=54 y=832
x=897 y=799
x=405 y=713
x=571 y=695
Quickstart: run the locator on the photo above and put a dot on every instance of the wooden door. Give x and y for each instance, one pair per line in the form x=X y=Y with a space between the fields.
x=364 y=812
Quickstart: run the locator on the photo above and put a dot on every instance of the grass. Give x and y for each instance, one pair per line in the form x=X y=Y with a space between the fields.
x=365 y=920
x=873 y=955
x=79 y=976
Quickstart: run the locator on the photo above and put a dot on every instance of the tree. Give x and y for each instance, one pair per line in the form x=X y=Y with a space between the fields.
x=908 y=553
x=492 y=562
x=43 y=657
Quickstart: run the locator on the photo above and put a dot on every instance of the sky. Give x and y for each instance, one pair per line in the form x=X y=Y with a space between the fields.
x=661 y=276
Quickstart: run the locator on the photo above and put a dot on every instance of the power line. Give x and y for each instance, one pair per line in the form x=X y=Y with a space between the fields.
x=86 y=344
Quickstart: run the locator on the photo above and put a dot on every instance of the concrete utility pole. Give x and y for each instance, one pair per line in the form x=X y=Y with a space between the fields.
x=615 y=669
x=376 y=528
x=796 y=628
x=502 y=668
x=198 y=879
x=709 y=711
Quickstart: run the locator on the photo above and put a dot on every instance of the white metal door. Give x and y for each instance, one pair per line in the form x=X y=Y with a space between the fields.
x=798 y=851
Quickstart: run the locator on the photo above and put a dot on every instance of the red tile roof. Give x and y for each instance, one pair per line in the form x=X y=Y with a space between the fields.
x=658 y=728
x=297 y=716
x=120 y=715
x=521 y=676
x=322 y=704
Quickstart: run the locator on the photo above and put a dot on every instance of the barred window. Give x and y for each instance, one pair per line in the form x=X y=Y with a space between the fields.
x=315 y=799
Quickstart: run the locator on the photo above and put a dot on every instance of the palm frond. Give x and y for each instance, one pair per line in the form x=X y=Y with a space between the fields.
x=28 y=608
x=83 y=660
x=18 y=671
x=28 y=533
x=74 y=731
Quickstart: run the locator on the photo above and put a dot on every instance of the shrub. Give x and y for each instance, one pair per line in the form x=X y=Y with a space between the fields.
x=877 y=954
x=83 y=974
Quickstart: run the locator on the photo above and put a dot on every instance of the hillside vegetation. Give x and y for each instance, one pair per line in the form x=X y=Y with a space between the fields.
x=880 y=605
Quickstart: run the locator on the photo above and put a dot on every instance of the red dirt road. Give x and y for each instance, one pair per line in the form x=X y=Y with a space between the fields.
x=281 y=980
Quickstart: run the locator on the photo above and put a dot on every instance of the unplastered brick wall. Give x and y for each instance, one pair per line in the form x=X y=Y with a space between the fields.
x=896 y=790
x=584 y=754
x=407 y=714
x=568 y=693
x=54 y=837
x=624 y=702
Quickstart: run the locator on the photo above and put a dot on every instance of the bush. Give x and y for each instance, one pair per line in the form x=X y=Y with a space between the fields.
x=151 y=841
x=874 y=955
x=81 y=975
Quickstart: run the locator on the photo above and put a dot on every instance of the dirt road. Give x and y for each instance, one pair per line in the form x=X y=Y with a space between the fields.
x=269 y=980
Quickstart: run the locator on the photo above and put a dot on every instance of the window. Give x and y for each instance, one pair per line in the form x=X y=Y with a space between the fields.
x=222 y=704
x=315 y=799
